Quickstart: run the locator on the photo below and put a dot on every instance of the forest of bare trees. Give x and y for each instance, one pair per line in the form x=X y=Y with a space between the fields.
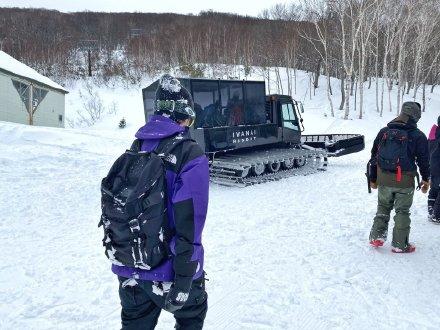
x=353 y=40
x=397 y=40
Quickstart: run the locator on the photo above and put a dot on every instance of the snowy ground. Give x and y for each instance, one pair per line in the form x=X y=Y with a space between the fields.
x=291 y=254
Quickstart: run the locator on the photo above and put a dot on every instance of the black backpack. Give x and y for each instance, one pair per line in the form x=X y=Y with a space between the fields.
x=392 y=155
x=133 y=202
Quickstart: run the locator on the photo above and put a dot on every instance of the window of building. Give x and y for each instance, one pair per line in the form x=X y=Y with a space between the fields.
x=38 y=94
x=23 y=92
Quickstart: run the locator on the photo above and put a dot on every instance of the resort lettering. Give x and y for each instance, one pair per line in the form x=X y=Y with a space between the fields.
x=244 y=136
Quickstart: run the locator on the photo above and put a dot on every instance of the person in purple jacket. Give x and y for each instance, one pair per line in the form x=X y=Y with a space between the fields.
x=434 y=192
x=178 y=284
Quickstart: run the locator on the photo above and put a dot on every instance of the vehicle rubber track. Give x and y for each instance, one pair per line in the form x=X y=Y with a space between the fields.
x=239 y=169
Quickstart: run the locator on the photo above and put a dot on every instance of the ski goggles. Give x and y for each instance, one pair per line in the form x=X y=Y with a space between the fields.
x=180 y=107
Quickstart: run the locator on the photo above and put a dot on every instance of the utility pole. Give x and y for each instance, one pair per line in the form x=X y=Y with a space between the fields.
x=89 y=55
x=88 y=46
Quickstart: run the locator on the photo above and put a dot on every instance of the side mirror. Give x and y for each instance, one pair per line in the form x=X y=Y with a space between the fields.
x=301 y=120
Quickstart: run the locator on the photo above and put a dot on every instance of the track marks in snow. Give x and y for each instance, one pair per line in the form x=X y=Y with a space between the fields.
x=291 y=254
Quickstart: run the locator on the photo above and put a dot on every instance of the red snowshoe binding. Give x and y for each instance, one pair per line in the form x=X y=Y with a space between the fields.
x=409 y=249
x=377 y=242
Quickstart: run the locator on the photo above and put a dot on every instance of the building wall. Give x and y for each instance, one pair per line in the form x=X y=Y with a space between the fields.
x=13 y=109
x=50 y=109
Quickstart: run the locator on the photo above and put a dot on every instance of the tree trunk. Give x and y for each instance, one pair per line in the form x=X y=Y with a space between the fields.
x=382 y=96
x=355 y=95
x=329 y=92
x=352 y=84
x=289 y=86
x=329 y=84
x=390 y=87
x=408 y=88
x=294 y=82
x=317 y=73
x=268 y=80
x=341 y=107
x=423 y=97
x=348 y=88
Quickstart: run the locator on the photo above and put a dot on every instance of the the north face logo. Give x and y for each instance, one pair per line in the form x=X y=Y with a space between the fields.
x=171 y=159
x=182 y=297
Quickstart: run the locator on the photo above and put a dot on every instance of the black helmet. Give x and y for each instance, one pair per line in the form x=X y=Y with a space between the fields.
x=173 y=100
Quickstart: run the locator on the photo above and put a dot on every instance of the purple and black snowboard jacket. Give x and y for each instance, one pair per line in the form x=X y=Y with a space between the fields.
x=188 y=189
x=434 y=143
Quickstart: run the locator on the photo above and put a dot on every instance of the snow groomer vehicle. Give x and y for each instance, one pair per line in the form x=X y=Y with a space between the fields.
x=251 y=137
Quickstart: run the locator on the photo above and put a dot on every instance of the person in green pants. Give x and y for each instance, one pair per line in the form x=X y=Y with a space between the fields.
x=397 y=151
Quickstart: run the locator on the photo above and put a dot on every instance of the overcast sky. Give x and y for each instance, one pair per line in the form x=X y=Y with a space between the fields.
x=243 y=7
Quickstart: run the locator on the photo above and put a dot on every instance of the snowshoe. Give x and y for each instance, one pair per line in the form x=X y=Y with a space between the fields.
x=377 y=242
x=409 y=249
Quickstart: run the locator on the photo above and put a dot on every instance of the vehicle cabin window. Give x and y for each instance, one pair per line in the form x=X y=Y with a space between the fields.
x=207 y=104
x=232 y=103
x=289 y=117
x=149 y=97
x=255 y=110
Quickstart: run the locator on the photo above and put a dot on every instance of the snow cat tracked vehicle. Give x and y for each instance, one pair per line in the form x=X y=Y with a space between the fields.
x=251 y=137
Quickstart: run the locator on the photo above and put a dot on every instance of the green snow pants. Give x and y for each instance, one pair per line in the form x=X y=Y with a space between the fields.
x=401 y=200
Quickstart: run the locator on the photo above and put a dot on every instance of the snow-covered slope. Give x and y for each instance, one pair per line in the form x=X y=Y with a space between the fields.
x=291 y=254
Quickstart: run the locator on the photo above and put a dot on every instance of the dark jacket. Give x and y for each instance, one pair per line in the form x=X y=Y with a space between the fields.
x=434 y=150
x=187 y=187
x=418 y=154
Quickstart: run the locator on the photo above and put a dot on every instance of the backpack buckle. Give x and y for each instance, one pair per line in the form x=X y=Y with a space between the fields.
x=134 y=225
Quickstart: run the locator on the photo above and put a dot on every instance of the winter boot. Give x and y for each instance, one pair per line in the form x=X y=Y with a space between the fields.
x=430 y=212
x=377 y=242
x=434 y=220
x=409 y=249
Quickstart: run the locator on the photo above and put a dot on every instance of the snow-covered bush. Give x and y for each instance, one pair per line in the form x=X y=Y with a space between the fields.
x=92 y=106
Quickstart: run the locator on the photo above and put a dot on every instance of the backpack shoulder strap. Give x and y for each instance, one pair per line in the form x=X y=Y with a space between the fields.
x=168 y=145
x=136 y=145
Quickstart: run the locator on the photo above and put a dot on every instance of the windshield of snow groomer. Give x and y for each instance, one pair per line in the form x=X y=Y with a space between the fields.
x=289 y=116
x=228 y=103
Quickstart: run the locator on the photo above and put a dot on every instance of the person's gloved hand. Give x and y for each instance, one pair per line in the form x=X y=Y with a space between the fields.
x=373 y=185
x=178 y=294
x=425 y=187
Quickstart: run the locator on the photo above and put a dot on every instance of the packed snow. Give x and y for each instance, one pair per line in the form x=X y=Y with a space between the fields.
x=16 y=67
x=291 y=254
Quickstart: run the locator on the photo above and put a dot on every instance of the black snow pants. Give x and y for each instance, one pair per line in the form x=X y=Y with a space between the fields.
x=142 y=302
x=434 y=198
